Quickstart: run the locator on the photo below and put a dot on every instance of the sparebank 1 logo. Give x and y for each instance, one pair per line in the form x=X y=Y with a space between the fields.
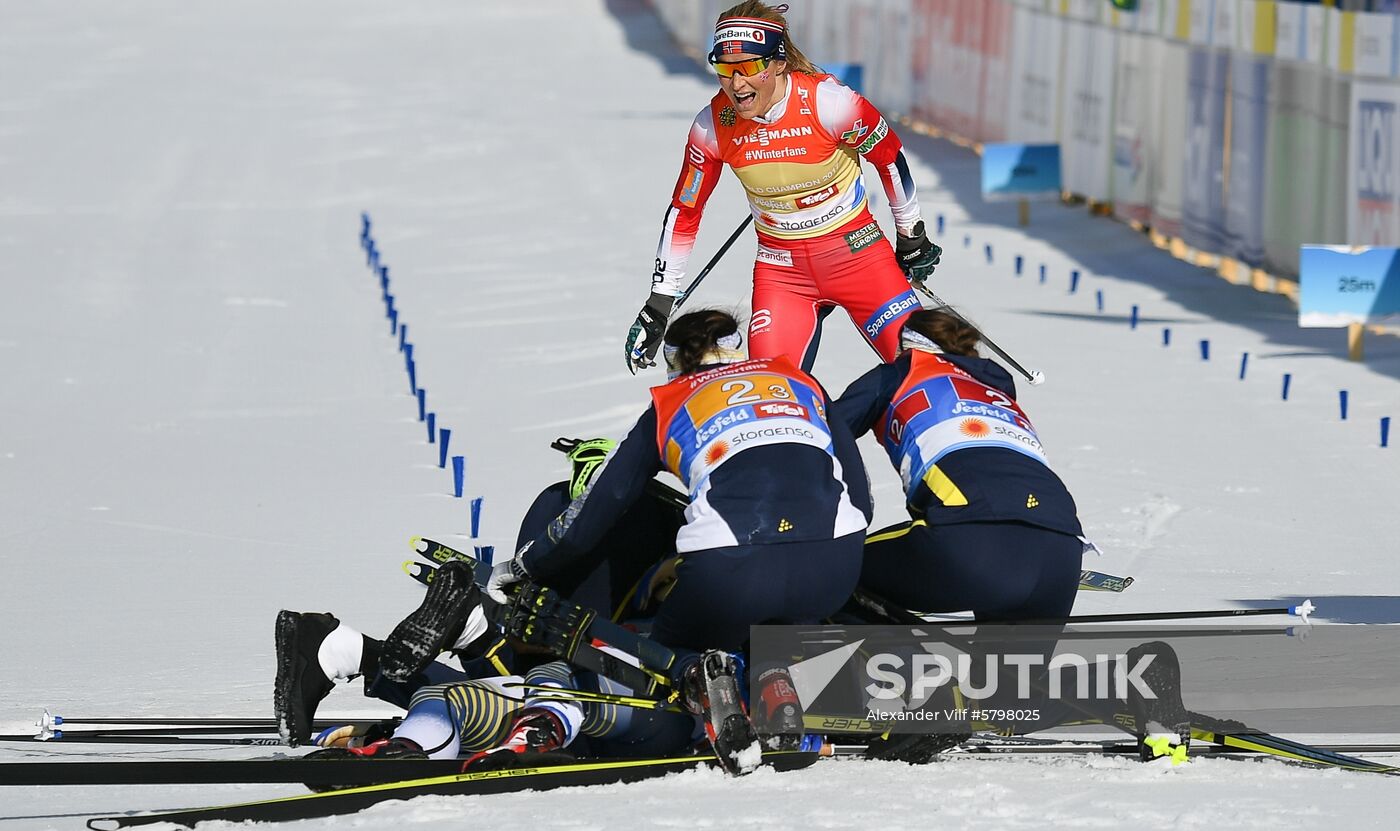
x=1375 y=172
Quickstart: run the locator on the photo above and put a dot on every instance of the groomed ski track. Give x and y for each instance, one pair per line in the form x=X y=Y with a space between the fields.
x=206 y=419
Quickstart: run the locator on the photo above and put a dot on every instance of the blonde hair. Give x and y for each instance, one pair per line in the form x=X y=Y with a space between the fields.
x=796 y=61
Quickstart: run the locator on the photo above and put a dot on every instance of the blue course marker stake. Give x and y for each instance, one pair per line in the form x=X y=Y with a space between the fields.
x=1166 y=336
x=1287 y=380
x=1205 y=349
x=1074 y=281
x=989 y=253
x=393 y=321
x=967 y=240
x=940 y=225
x=364 y=223
x=412 y=378
x=476 y=517
x=403 y=336
x=422 y=403
x=1019 y=262
x=408 y=352
x=1244 y=364
x=1042 y=272
x=384 y=278
x=1342 y=399
x=1098 y=299
x=444 y=436
x=371 y=253
x=432 y=428
x=1385 y=431
x=486 y=553
x=459 y=464
x=389 y=310
x=1133 y=318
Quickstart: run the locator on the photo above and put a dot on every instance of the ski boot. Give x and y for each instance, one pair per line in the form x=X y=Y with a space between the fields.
x=710 y=689
x=535 y=730
x=301 y=680
x=1162 y=724
x=778 y=716
x=436 y=625
x=382 y=749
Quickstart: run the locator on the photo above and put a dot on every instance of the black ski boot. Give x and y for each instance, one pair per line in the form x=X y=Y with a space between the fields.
x=1162 y=724
x=778 y=716
x=435 y=626
x=301 y=683
x=710 y=688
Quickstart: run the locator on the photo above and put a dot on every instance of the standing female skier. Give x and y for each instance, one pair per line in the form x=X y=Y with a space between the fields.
x=794 y=136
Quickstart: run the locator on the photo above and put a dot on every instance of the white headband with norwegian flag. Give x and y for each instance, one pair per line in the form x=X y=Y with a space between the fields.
x=750 y=35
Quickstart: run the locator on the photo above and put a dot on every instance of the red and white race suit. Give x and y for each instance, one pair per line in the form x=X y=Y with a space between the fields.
x=818 y=245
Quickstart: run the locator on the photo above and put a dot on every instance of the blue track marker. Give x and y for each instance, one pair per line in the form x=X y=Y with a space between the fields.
x=444 y=436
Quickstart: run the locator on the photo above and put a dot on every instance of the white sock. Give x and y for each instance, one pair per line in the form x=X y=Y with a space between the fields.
x=432 y=729
x=340 y=653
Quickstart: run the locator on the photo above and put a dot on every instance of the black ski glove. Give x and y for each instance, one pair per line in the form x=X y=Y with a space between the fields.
x=916 y=255
x=644 y=338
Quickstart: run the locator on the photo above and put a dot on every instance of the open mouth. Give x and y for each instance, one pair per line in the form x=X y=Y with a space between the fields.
x=745 y=99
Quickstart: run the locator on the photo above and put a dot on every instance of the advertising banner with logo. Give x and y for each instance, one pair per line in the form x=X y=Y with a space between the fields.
x=1034 y=85
x=1244 y=195
x=1139 y=92
x=1306 y=168
x=961 y=85
x=997 y=26
x=888 y=53
x=1339 y=285
x=1203 y=194
x=1374 y=171
x=1086 y=100
x=1290 y=32
x=1020 y=171
x=1168 y=150
x=1375 y=52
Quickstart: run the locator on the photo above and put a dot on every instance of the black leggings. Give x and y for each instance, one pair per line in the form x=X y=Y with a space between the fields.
x=1002 y=571
x=721 y=592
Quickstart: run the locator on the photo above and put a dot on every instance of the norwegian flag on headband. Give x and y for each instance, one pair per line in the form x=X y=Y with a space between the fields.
x=755 y=36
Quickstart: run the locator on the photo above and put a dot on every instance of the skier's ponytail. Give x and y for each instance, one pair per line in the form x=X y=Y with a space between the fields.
x=950 y=333
x=702 y=337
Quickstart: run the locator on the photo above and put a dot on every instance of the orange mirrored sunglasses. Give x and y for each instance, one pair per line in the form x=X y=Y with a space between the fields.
x=750 y=67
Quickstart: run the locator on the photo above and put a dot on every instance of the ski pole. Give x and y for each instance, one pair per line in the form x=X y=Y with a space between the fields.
x=1302 y=610
x=685 y=295
x=539 y=692
x=86 y=737
x=1036 y=377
